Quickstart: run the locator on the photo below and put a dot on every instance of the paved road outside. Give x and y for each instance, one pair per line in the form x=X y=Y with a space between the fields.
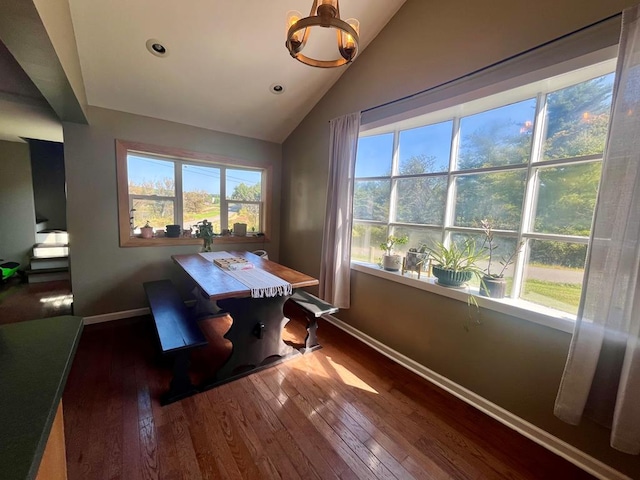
x=553 y=275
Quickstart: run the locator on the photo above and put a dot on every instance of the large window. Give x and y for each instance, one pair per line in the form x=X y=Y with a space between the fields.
x=160 y=187
x=531 y=166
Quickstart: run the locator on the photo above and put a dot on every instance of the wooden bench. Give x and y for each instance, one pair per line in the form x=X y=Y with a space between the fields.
x=178 y=334
x=313 y=308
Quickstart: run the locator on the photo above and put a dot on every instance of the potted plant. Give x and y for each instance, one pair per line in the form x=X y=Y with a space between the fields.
x=391 y=261
x=494 y=284
x=147 y=230
x=455 y=265
x=205 y=231
x=416 y=260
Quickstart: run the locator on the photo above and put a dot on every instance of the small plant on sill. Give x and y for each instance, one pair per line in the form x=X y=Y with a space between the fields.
x=494 y=284
x=205 y=231
x=132 y=226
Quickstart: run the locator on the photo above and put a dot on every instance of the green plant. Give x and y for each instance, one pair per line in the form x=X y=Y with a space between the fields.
x=387 y=246
x=205 y=231
x=505 y=261
x=461 y=259
x=458 y=258
x=132 y=226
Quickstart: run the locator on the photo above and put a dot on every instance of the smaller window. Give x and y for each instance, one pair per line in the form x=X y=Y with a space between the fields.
x=161 y=186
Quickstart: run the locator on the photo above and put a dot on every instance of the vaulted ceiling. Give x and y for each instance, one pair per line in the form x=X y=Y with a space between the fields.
x=223 y=59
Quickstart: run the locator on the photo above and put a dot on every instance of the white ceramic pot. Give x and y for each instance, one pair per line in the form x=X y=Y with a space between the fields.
x=393 y=263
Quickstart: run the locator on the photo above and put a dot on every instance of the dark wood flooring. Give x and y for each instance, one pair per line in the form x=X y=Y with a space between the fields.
x=344 y=411
x=21 y=301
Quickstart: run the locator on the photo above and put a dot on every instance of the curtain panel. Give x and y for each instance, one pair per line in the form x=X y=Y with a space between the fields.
x=602 y=374
x=335 y=267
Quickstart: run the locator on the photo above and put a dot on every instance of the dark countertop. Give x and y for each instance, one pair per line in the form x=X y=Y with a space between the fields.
x=35 y=359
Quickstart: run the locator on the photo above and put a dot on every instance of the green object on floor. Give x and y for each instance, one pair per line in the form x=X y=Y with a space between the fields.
x=9 y=269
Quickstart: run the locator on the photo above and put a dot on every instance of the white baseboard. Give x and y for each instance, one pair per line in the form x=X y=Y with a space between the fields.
x=109 y=317
x=579 y=458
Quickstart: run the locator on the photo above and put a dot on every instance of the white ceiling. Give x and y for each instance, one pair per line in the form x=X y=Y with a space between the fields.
x=223 y=56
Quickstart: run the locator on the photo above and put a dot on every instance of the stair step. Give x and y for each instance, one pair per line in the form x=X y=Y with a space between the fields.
x=48 y=275
x=52 y=236
x=42 y=263
x=50 y=250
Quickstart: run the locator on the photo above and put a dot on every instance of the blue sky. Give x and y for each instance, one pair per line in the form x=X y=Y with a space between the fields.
x=194 y=177
x=374 y=153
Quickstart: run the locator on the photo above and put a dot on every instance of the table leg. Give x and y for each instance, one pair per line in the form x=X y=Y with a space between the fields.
x=311 y=341
x=256 y=333
x=180 y=386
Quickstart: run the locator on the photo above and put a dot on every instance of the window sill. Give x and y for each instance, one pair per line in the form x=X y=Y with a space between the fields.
x=517 y=308
x=169 y=241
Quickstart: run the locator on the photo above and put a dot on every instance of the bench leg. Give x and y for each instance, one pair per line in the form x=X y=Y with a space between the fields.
x=180 y=386
x=311 y=342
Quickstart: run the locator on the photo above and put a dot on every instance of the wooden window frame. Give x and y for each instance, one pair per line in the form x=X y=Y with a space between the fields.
x=123 y=148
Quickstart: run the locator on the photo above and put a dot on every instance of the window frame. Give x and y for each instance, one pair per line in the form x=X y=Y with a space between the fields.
x=180 y=157
x=525 y=230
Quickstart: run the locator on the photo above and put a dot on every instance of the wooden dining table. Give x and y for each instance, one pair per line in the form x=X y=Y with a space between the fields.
x=257 y=323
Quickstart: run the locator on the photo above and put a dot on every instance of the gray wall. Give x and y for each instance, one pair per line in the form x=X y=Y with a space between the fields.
x=513 y=363
x=105 y=277
x=17 y=220
x=47 y=170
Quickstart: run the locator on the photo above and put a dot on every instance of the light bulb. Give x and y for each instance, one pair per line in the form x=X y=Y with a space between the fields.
x=293 y=17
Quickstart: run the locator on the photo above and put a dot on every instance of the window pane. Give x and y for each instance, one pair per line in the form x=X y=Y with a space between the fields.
x=578 y=118
x=371 y=200
x=417 y=238
x=159 y=213
x=500 y=262
x=244 y=185
x=365 y=242
x=497 y=196
x=553 y=275
x=421 y=200
x=200 y=195
x=425 y=149
x=148 y=176
x=374 y=156
x=245 y=213
x=567 y=198
x=501 y=136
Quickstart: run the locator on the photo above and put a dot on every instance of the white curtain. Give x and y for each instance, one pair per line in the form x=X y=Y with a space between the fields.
x=335 y=270
x=602 y=375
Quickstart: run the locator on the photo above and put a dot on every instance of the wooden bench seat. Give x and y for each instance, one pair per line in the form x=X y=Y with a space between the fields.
x=313 y=308
x=178 y=334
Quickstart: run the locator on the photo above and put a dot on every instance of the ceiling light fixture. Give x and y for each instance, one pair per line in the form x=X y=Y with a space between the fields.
x=324 y=13
x=156 y=47
x=276 y=89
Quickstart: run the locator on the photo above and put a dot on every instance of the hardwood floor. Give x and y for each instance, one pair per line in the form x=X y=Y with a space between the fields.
x=344 y=411
x=21 y=301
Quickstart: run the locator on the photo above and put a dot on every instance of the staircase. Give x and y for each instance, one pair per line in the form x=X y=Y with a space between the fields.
x=50 y=259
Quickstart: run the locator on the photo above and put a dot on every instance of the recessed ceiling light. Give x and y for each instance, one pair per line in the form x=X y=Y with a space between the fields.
x=276 y=89
x=157 y=48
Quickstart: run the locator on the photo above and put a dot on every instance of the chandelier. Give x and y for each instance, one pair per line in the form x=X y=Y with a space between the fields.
x=324 y=13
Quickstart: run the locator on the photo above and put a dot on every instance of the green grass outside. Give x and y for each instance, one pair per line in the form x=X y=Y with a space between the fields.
x=211 y=214
x=561 y=296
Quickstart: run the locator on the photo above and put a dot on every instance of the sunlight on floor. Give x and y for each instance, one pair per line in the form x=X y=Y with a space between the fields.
x=58 y=300
x=345 y=375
